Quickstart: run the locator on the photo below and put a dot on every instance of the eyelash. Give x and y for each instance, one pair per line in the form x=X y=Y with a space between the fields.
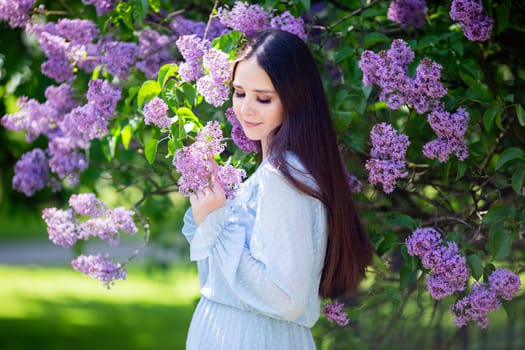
x=241 y=95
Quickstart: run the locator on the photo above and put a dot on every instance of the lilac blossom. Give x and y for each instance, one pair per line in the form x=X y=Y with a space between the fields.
x=239 y=137
x=195 y=167
x=229 y=178
x=155 y=112
x=61 y=98
x=408 y=12
x=31 y=172
x=387 y=161
x=104 y=96
x=335 y=313
x=119 y=57
x=108 y=226
x=389 y=70
x=288 y=23
x=504 y=283
x=15 y=11
x=61 y=226
x=102 y=6
x=476 y=24
x=66 y=158
x=87 y=204
x=100 y=267
x=448 y=268
x=154 y=52
x=184 y=26
x=214 y=85
x=475 y=306
x=245 y=18
x=77 y=31
x=450 y=129
x=192 y=48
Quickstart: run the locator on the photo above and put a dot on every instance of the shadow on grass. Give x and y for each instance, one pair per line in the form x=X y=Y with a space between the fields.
x=73 y=324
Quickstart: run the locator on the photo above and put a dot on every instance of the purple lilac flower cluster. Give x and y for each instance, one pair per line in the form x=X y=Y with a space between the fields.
x=389 y=70
x=156 y=113
x=154 y=52
x=102 y=6
x=476 y=24
x=335 y=313
x=119 y=57
x=65 y=157
x=214 y=85
x=15 y=11
x=239 y=137
x=387 y=161
x=192 y=48
x=184 y=26
x=87 y=217
x=251 y=19
x=195 y=167
x=408 y=12
x=100 y=267
x=65 y=44
x=485 y=297
x=450 y=130
x=449 y=272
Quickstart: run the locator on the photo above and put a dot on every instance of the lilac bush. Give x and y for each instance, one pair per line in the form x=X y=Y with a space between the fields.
x=408 y=12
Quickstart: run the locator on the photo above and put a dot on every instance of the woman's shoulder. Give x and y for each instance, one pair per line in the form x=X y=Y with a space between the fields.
x=295 y=167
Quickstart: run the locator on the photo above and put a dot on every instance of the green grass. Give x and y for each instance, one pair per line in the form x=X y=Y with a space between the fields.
x=58 y=308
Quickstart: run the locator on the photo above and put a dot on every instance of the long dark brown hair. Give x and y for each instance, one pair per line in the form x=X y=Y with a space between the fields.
x=307 y=131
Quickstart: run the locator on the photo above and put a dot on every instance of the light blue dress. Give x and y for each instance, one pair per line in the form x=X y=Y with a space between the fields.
x=260 y=259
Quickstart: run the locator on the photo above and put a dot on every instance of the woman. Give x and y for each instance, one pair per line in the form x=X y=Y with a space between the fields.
x=292 y=234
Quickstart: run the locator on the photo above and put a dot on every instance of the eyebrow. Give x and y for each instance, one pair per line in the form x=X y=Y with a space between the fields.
x=263 y=91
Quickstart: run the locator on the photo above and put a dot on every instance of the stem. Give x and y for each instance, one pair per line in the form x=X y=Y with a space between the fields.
x=212 y=14
x=351 y=14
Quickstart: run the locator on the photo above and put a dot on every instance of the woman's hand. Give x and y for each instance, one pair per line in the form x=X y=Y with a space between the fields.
x=211 y=198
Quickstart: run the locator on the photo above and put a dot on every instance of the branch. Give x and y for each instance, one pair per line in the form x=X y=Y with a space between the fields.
x=351 y=14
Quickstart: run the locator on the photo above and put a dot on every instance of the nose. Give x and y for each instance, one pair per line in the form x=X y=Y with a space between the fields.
x=247 y=106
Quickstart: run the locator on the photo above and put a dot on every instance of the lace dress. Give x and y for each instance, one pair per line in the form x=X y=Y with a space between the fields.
x=259 y=260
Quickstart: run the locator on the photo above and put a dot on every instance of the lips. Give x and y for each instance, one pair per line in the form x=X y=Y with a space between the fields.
x=250 y=124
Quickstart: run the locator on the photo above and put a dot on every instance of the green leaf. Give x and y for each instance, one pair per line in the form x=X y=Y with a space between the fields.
x=487 y=271
x=374 y=38
x=396 y=218
x=476 y=266
x=148 y=90
x=132 y=92
x=386 y=244
x=497 y=214
x=126 y=134
x=342 y=120
x=407 y=277
x=510 y=307
x=151 y=150
x=508 y=155
x=343 y=54
x=499 y=244
x=428 y=40
x=185 y=113
x=518 y=179
x=490 y=116
x=520 y=113
x=306 y=5
x=502 y=15
x=165 y=72
x=462 y=168
x=155 y=5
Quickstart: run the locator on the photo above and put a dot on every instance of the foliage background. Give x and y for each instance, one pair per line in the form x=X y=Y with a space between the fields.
x=478 y=202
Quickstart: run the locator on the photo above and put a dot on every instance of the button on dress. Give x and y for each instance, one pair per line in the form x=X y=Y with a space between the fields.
x=259 y=260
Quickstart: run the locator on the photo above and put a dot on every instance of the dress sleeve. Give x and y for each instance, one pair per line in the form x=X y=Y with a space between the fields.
x=272 y=272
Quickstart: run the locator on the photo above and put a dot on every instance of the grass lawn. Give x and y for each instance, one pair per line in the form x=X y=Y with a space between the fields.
x=58 y=308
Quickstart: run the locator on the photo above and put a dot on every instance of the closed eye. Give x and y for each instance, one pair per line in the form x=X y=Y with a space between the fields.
x=239 y=94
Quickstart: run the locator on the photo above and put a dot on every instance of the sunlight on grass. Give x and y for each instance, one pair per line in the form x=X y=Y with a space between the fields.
x=25 y=287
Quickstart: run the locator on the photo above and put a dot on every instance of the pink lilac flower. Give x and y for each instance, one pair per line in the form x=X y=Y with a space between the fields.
x=229 y=178
x=476 y=24
x=214 y=85
x=450 y=130
x=245 y=18
x=504 y=283
x=288 y=23
x=239 y=137
x=154 y=52
x=33 y=117
x=102 y=6
x=87 y=204
x=192 y=48
x=61 y=226
x=66 y=158
x=389 y=70
x=15 y=11
x=108 y=226
x=100 y=267
x=209 y=140
x=31 y=172
x=387 y=161
x=184 y=26
x=155 y=112
x=475 y=306
x=408 y=12
x=335 y=313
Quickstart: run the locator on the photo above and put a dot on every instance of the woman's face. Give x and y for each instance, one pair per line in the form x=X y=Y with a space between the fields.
x=256 y=103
